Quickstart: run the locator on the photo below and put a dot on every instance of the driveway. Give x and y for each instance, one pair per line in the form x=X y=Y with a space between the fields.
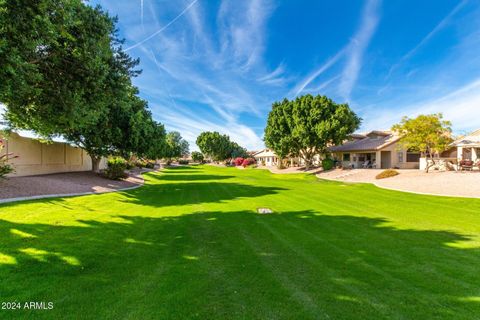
x=450 y=183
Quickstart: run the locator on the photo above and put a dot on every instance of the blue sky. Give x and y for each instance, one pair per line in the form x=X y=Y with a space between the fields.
x=219 y=65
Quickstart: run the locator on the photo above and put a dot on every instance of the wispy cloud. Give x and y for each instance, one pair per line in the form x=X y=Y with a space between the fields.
x=312 y=76
x=357 y=46
x=162 y=28
x=441 y=25
x=215 y=75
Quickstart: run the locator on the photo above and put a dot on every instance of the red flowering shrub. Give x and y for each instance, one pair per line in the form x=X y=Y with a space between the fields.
x=248 y=162
x=238 y=161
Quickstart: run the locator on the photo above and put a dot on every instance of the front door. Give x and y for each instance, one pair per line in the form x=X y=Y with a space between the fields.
x=386 y=160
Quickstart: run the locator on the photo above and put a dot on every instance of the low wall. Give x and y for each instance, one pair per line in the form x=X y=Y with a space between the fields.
x=36 y=158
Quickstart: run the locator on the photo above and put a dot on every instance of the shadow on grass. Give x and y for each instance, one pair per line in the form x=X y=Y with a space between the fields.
x=191 y=177
x=239 y=264
x=177 y=194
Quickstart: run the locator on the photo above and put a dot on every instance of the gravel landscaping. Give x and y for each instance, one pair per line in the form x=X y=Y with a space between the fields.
x=450 y=183
x=64 y=184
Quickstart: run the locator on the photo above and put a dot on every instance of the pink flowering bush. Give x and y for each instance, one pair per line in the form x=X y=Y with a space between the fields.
x=248 y=162
x=238 y=161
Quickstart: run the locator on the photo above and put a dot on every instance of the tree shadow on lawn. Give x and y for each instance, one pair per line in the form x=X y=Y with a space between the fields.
x=178 y=194
x=191 y=177
x=239 y=264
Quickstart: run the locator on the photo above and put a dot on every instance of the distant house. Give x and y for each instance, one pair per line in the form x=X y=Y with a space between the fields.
x=468 y=147
x=266 y=157
x=375 y=149
x=35 y=157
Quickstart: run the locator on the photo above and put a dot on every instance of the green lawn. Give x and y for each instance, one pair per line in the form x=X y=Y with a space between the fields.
x=190 y=245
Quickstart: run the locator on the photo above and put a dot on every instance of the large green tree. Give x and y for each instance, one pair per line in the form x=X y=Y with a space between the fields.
x=63 y=72
x=307 y=125
x=219 y=147
x=54 y=63
x=428 y=134
x=176 y=146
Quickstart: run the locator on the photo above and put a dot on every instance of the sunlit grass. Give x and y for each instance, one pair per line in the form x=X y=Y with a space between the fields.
x=190 y=244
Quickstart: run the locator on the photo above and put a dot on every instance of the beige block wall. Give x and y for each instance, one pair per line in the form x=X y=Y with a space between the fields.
x=36 y=158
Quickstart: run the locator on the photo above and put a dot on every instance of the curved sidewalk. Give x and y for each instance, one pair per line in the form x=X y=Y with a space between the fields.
x=451 y=184
x=63 y=185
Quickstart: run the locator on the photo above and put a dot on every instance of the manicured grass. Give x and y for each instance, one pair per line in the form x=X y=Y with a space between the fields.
x=190 y=245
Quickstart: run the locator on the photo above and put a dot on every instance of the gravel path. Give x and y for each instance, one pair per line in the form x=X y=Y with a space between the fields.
x=450 y=183
x=64 y=184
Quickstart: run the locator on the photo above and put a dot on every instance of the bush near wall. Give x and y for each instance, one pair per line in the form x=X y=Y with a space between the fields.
x=387 y=174
x=183 y=161
x=116 y=167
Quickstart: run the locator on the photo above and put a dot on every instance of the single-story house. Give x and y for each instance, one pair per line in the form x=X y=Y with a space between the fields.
x=375 y=149
x=34 y=157
x=468 y=147
x=266 y=157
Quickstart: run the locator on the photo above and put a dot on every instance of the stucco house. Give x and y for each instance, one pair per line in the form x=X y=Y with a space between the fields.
x=35 y=157
x=468 y=147
x=266 y=157
x=375 y=149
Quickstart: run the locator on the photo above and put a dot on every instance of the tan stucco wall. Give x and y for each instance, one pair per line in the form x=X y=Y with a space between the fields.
x=36 y=158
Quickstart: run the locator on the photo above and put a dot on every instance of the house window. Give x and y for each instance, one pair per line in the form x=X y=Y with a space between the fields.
x=400 y=157
x=413 y=157
x=346 y=157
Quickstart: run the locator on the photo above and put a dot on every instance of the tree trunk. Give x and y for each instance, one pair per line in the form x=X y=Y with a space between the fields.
x=95 y=163
x=429 y=165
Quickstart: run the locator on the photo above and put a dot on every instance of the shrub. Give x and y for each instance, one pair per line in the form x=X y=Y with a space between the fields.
x=141 y=163
x=387 y=174
x=183 y=161
x=150 y=165
x=248 y=162
x=327 y=164
x=5 y=168
x=116 y=167
x=197 y=157
x=238 y=161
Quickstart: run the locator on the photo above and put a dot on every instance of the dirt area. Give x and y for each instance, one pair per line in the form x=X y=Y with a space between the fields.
x=64 y=184
x=450 y=183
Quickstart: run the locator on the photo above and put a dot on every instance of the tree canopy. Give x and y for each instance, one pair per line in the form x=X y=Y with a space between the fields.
x=219 y=147
x=307 y=125
x=63 y=72
x=428 y=134
x=197 y=156
x=176 y=146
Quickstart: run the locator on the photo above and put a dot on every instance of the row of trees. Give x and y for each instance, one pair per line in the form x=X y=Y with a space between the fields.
x=219 y=147
x=308 y=125
x=63 y=72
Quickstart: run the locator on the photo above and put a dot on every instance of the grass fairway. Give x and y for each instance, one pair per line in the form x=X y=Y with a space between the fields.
x=189 y=245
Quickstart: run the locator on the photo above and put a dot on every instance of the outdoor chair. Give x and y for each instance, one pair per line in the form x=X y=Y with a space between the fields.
x=466 y=165
x=366 y=164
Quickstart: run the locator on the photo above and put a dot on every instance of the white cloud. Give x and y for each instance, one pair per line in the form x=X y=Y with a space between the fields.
x=461 y=106
x=357 y=47
x=311 y=77
x=162 y=28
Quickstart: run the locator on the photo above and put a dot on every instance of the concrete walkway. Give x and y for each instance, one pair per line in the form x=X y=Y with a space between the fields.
x=450 y=183
x=63 y=184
